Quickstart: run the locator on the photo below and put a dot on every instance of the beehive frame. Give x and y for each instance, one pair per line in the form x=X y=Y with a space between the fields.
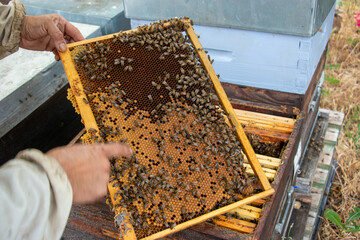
x=91 y=126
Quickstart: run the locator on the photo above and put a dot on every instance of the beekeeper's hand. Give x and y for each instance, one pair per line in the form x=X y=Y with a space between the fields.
x=48 y=33
x=88 y=167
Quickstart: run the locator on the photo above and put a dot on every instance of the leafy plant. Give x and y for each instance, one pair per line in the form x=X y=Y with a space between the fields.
x=350 y=225
x=324 y=92
x=352 y=41
x=332 y=80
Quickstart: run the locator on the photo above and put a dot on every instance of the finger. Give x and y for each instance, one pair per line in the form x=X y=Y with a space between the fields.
x=57 y=57
x=106 y=166
x=73 y=32
x=116 y=150
x=56 y=35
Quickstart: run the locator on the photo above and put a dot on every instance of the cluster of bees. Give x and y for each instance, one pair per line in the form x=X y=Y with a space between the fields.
x=316 y=141
x=272 y=149
x=148 y=88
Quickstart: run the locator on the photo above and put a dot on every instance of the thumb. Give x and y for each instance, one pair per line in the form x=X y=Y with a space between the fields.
x=56 y=35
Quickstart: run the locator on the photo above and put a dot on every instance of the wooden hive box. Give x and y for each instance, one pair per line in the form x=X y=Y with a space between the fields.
x=285 y=120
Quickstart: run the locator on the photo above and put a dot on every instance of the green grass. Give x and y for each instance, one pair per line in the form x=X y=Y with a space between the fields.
x=324 y=92
x=351 y=125
x=332 y=66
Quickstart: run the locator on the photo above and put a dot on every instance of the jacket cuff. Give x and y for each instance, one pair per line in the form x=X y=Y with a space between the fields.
x=15 y=37
x=61 y=190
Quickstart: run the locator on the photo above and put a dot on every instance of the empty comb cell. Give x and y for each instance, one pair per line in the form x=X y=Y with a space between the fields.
x=151 y=88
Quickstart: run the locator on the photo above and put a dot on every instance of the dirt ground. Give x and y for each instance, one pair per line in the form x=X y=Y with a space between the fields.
x=341 y=92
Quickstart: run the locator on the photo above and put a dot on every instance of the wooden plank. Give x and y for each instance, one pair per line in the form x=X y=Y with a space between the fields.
x=246 y=211
x=268 y=133
x=245 y=214
x=76 y=86
x=328 y=149
x=235 y=224
x=288 y=122
x=265 y=125
x=331 y=135
x=266 y=161
x=325 y=158
x=269 y=173
x=309 y=227
x=251 y=208
x=336 y=118
x=258 y=202
x=303 y=185
x=212 y=231
x=24 y=100
x=266 y=170
x=249 y=151
x=279 y=102
x=315 y=201
x=270 y=159
x=266 y=121
x=320 y=176
x=91 y=221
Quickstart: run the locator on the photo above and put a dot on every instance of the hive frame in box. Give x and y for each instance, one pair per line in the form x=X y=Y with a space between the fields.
x=90 y=123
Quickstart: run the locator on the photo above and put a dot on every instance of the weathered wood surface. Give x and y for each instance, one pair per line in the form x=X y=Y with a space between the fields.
x=58 y=121
x=310 y=159
x=278 y=101
x=92 y=221
x=267 y=162
x=236 y=224
x=265 y=121
x=95 y=221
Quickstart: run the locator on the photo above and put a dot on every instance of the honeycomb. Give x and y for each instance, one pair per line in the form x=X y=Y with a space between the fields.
x=148 y=88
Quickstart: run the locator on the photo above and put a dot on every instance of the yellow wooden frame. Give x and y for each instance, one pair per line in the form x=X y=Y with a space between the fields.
x=90 y=123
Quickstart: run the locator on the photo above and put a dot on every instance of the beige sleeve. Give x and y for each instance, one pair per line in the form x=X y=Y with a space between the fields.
x=35 y=197
x=11 y=18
